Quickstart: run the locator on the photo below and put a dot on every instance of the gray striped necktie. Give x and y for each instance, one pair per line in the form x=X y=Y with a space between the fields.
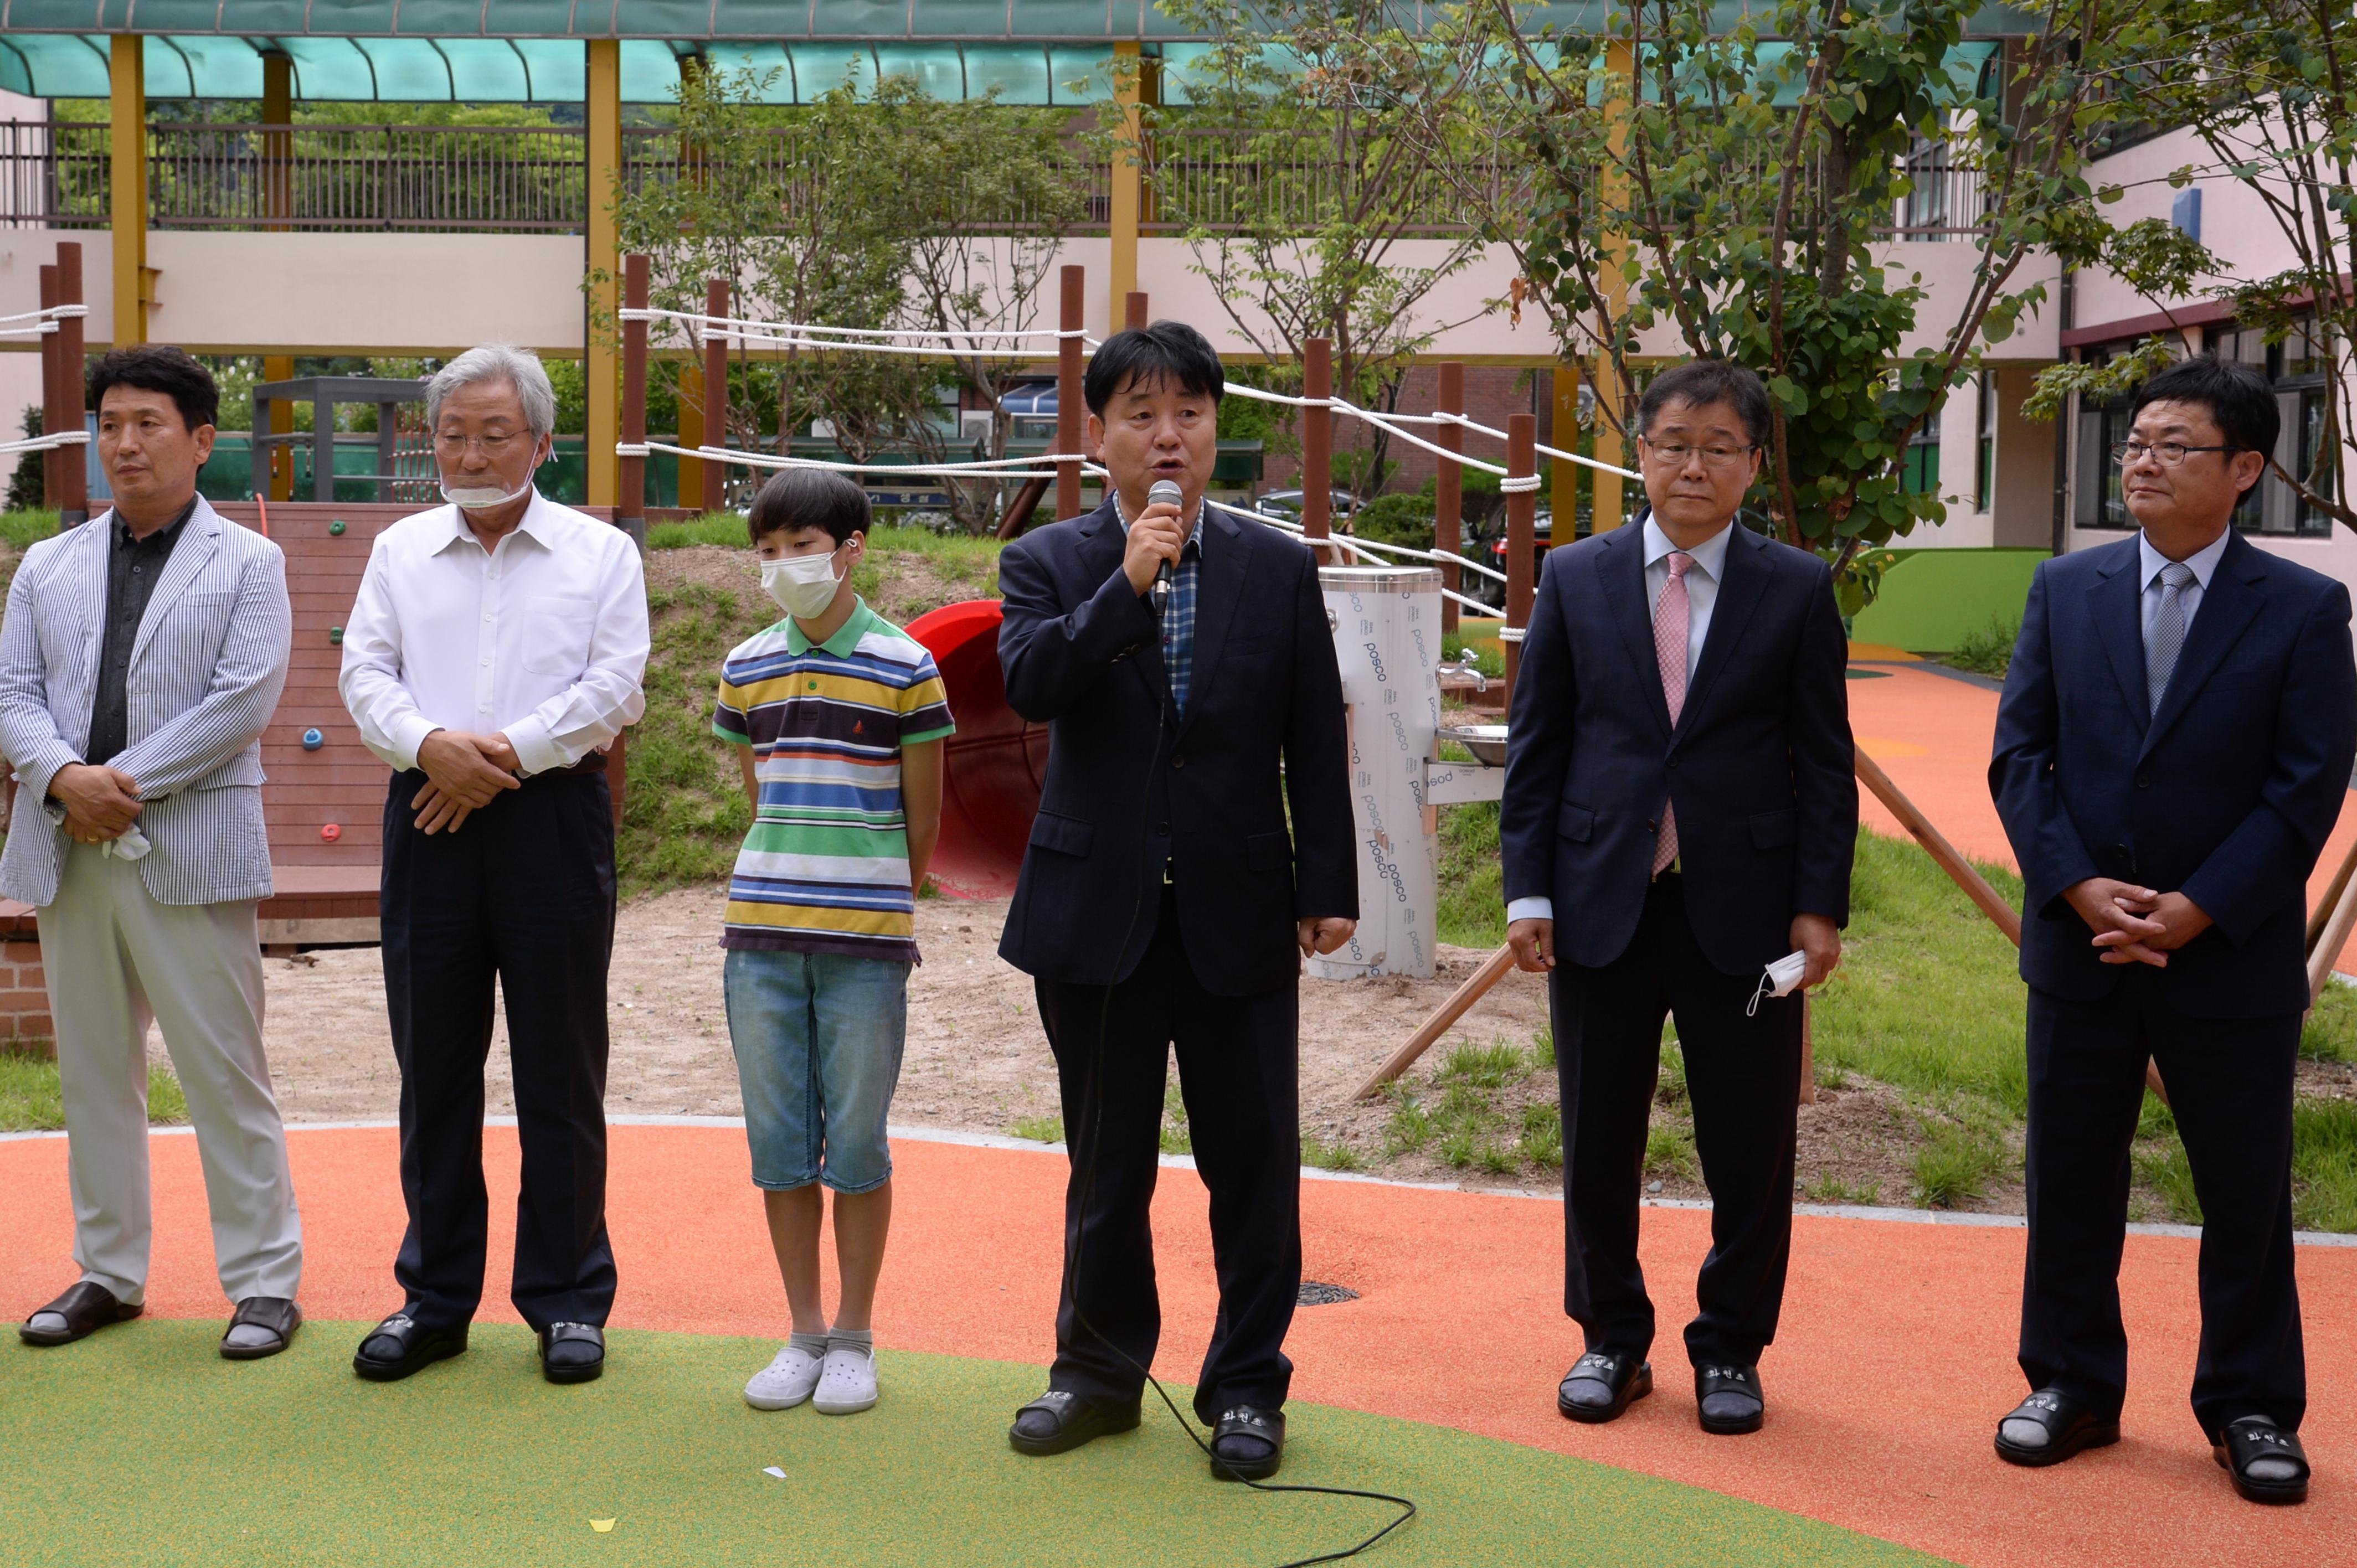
x=2167 y=639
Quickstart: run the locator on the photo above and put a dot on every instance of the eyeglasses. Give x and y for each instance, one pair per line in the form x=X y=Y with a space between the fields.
x=2167 y=453
x=1673 y=454
x=454 y=445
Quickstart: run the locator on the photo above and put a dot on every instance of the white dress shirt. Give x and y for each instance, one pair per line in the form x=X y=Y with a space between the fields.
x=1701 y=597
x=543 y=639
x=2150 y=563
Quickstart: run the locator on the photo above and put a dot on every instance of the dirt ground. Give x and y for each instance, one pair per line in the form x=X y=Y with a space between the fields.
x=975 y=1060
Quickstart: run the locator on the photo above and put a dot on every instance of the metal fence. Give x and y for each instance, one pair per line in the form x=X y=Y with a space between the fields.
x=533 y=179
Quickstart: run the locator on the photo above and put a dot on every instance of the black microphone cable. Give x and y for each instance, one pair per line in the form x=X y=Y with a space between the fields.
x=1088 y=1187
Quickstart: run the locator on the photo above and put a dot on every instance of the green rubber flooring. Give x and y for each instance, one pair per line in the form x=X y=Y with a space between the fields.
x=141 y=1445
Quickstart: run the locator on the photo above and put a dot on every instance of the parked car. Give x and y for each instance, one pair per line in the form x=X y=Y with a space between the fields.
x=1487 y=544
x=1286 y=504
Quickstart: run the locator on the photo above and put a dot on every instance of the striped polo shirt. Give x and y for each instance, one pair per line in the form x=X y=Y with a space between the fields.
x=825 y=868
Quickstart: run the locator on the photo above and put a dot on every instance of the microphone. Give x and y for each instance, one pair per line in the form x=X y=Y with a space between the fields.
x=1166 y=492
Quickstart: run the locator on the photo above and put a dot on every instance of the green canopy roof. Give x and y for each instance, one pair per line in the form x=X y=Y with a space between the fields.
x=524 y=51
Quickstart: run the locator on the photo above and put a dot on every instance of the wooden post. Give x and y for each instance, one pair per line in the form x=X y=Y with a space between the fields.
x=1317 y=445
x=1477 y=985
x=277 y=144
x=1936 y=845
x=1069 y=322
x=1449 y=490
x=1522 y=510
x=2335 y=936
x=126 y=143
x=2322 y=915
x=601 y=376
x=716 y=394
x=1133 y=310
x=73 y=500
x=281 y=367
x=1125 y=197
x=630 y=503
x=53 y=400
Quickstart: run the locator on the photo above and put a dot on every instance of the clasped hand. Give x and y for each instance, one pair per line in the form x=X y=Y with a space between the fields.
x=99 y=801
x=464 y=773
x=2133 y=924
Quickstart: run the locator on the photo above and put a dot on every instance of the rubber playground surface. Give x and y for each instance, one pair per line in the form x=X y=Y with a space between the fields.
x=140 y=1444
x=1894 y=1362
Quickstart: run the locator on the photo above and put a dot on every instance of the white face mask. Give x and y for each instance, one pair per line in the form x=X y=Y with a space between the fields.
x=486 y=498
x=804 y=585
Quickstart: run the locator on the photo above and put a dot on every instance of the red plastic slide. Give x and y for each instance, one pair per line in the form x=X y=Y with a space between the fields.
x=992 y=766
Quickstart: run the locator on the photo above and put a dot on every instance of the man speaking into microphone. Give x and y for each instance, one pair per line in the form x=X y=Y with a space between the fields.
x=1183 y=660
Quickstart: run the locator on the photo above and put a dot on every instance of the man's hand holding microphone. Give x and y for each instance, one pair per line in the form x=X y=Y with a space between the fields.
x=1156 y=535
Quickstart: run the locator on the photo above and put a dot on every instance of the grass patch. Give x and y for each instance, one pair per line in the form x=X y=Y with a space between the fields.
x=1039 y=1129
x=1478 y=1112
x=1472 y=910
x=2324 y=1164
x=1328 y=1156
x=1955 y=1162
x=29 y=1099
x=1830 y=1188
x=1987 y=650
x=2330 y=1035
x=1176 y=1138
x=25 y=528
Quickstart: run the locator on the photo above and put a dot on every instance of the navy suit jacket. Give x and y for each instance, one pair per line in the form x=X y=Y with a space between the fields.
x=1131 y=784
x=1759 y=765
x=2226 y=794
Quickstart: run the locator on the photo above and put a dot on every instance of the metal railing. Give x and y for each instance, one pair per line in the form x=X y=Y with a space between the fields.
x=533 y=179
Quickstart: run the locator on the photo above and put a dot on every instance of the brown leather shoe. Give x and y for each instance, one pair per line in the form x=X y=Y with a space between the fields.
x=87 y=1307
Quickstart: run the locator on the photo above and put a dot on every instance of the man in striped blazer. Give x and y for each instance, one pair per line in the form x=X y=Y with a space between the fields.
x=141 y=657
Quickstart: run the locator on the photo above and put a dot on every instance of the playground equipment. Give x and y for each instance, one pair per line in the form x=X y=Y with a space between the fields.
x=1389 y=604
x=405 y=458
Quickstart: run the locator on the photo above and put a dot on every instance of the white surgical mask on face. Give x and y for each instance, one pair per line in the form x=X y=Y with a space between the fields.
x=804 y=585
x=486 y=498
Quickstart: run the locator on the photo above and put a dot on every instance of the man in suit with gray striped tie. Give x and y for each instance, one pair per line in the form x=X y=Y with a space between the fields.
x=140 y=659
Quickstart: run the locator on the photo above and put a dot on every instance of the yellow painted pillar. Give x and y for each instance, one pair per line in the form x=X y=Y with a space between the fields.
x=1563 y=486
x=134 y=283
x=1127 y=207
x=602 y=361
x=1611 y=397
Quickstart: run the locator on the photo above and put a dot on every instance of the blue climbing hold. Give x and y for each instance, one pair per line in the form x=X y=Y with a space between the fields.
x=313 y=740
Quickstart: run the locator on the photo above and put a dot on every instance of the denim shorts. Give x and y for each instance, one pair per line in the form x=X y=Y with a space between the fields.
x=818 y=1040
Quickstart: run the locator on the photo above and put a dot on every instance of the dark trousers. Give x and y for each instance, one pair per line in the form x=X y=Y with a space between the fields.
x=522 y=893
x=1743 y=1081
x=1237 y=1073
x=2230 y=1085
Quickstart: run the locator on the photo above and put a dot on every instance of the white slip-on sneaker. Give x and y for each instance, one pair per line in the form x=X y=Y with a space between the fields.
x=786 y=1381
x=848 y=1386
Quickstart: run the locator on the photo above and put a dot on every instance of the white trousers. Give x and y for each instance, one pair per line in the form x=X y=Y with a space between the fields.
x=116 y=961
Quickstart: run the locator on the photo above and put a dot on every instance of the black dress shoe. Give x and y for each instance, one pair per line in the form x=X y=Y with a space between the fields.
x=2072 y=1427
x=572 y=1352
x=87 y=1307
x=1248 y=1445
x=1728 y=1400
x=1058 y=1422
x=398 y=1347
x=276 y=1313
x=2255 y=1438
x=1602 y=1385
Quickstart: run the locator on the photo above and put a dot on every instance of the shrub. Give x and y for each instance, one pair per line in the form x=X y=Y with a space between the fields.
x=1989 y=650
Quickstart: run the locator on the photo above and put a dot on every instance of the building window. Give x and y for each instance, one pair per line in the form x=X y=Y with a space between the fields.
x=1919 y=473
x=2295 y=368
x=2096 y=502
x=1984 y=454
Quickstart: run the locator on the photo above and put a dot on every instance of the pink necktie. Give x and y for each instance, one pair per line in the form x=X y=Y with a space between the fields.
x=1671 y=619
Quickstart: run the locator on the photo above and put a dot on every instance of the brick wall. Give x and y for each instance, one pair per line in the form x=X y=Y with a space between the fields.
x=24 y=999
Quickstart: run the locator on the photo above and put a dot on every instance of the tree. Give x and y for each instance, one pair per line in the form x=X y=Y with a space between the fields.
x=875 y=207
x=2269 y=87
x=1310 y=204
x=1727 y=190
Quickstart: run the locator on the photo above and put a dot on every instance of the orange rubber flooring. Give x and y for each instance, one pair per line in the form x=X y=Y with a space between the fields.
x=1932 y=735
x=1894 y=1362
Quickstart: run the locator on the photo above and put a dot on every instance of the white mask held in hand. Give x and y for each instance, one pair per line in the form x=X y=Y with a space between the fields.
x=804 y=585
x=1778 y=979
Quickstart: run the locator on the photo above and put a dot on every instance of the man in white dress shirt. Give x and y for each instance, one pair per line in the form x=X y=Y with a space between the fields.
x=494 y=654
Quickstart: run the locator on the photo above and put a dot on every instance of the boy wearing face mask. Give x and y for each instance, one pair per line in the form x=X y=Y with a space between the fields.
x=838 y=717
